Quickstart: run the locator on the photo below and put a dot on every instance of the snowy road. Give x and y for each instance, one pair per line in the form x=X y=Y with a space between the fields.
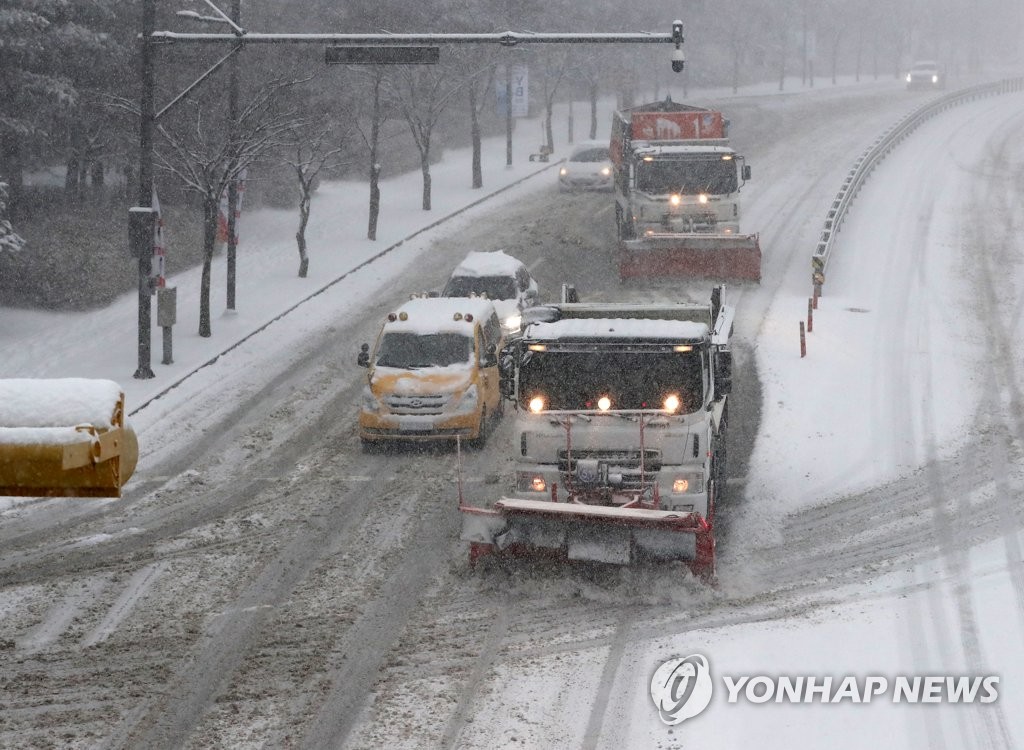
x=265 y=584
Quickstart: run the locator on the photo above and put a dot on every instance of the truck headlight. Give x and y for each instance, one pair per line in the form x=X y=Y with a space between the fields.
x=606 y=171
x=370 y=402
x=909 y=78
x=674 y=199
x=512 y=322
x=529 y=482
x=563 y=171
x=686 y=483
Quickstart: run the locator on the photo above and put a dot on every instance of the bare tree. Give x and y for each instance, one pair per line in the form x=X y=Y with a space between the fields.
x=555 y=66
x=309 y=156
x=422 y=97
x=10 y=241
x=206 y=160
x=378 y=115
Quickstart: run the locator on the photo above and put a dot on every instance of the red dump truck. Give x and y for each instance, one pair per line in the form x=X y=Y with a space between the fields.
x=677 y=194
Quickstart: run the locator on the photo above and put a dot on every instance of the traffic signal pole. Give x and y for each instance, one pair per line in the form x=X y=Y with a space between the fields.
x=382 y=48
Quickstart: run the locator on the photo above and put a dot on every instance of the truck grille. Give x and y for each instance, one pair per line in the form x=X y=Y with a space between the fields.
x=429 y=404
x=624 y=462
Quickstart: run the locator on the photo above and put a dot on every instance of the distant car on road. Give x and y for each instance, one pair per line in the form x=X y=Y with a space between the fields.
x=500 y=277
x=926 y=74
x=589 y=167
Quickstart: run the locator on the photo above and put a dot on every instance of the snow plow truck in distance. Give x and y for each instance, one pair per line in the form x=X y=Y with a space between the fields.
x=677 y=195
x=621 y=416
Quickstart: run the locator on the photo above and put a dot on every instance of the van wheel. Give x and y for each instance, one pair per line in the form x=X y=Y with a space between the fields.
x=478 y=442
x=370 y=446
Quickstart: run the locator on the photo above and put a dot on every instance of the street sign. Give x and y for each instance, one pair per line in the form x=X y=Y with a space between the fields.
x=383 y=55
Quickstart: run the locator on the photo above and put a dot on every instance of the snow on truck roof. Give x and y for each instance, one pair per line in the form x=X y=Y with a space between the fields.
x=438 y=314
x=618 y=328
x=707 y=146
x=497 y=263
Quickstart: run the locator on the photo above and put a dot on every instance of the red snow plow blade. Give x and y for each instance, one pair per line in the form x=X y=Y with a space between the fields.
x=716 y=256
x=599 y=533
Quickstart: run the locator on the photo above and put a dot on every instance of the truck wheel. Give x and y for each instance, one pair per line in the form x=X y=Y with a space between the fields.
x=623 y=226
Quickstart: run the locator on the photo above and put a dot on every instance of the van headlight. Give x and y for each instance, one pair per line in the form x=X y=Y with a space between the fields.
x=512 y=322
x=469 y=399
x=370 y=401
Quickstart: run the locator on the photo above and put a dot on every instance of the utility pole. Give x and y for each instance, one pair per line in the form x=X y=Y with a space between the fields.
x=140 y=219
x=236 y=17
x=508 y=113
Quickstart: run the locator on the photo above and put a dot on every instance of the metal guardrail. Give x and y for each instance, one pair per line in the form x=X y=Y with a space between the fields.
x=881 y=148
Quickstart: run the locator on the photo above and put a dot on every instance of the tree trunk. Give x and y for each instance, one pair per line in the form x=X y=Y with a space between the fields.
x=782 y=66
x=593 y=110
x=549 y=136
x=737 y=51
x=474 y=134
x=835 y=62
x=371 y=232
x=210 y=206
x=572 y=125
x=300 y=236
x=71 y=179
x=98 y=176
x=425 y=168
x=374 y=201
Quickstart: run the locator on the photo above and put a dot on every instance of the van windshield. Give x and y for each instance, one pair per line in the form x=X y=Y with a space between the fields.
x=495 y=287
x=411 y=351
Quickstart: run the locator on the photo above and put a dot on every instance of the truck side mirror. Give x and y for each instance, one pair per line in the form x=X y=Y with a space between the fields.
x=363 y=360
x=746 y=172
x=723 y=372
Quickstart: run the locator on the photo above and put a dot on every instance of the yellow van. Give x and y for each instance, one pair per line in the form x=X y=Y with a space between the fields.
x=433 y=372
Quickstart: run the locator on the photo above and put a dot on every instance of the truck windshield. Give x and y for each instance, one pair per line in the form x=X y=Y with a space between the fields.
x=713 y=176
x=410 y=351
x=495 y=287
x=576 y=380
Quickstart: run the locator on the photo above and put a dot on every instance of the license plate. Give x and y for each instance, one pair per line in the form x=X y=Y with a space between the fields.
x=414 y=425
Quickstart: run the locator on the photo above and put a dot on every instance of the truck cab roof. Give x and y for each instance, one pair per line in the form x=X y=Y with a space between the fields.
x=682 y=148
x=681 y=321
x=618 y=329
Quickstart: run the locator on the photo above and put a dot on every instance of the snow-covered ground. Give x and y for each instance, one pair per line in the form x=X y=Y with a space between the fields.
x=910 y=389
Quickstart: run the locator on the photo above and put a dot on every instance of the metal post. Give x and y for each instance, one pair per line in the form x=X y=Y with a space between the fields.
x=236 y=13
x=143 y=245
x=508 y=114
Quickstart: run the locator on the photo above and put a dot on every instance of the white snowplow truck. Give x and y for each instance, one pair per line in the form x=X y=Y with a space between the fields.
x=677 y=193
x=621 y=414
